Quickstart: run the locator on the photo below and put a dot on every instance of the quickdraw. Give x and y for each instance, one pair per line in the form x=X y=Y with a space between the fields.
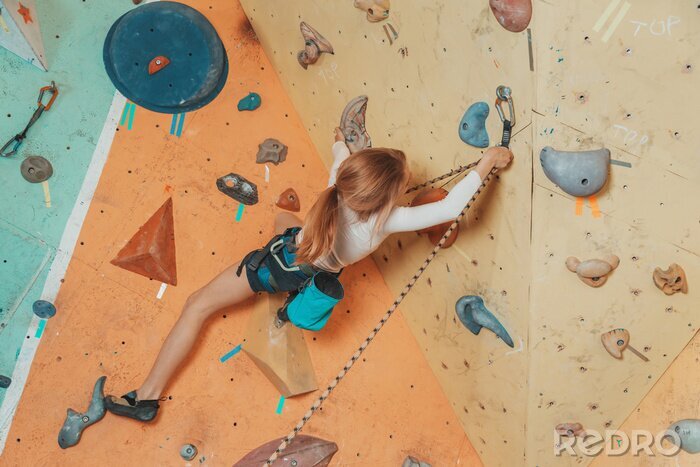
x=503 y=95
x=11 y=147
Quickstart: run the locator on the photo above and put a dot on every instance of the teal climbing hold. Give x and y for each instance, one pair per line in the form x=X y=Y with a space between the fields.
x=250 y=102
x=472 y=127
x=474 y=315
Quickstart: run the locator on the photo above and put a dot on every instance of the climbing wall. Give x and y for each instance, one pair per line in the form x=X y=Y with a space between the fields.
x=445 y=58
x=604 y=73
x=111 y=321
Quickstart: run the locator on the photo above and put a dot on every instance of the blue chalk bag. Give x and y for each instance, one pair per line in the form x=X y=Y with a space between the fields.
x=311 y=307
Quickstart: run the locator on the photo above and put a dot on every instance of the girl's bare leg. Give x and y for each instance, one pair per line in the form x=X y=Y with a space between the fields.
x=224 y=290
x=285 y=220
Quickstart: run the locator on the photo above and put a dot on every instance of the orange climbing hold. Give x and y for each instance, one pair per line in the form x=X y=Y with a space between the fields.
x=289 y=200
x=25 y=13
x=157 y=64
x=151 y=251
x=435 y=233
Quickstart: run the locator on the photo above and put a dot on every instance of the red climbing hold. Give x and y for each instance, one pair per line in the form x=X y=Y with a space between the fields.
x=26 y=14
x=151 y=251
x=302 y=450
x=436 y=232
x=289 y=200
x=157 y=64
x=513 y=15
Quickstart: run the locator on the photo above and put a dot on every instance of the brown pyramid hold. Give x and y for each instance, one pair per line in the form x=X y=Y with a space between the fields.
x=151 y=251
x=289 y=200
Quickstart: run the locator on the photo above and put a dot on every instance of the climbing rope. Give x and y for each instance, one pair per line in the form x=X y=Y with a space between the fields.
x=503 y=96
x=407 y=288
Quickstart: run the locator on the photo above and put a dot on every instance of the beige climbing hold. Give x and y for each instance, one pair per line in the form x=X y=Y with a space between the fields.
x=593 y=272
x=570 y=429
x=616 y=341
x=671 y=280
x=377 y=10
x=314 y=45
x=280 y=352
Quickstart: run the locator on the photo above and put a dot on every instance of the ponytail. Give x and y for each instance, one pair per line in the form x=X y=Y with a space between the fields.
x=320 y=227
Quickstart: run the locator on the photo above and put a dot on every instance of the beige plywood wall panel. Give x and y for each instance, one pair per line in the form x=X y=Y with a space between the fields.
x=626 y=80
x=453 y=56
x=628 y=87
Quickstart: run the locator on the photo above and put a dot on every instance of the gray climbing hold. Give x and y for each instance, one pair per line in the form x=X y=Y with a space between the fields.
x=688 y=431
x=36 y=169
x=5 y=382
x=474 y=315
x=472 y=127
x=411 y=461
x=188 y=452
x=76 y=422
x=352 y=124
x=238 y=188
x=578 y=173
x=271 y=150
x=43 y=309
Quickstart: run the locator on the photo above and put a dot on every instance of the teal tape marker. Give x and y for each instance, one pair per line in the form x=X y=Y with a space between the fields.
x=280 y=405
x=173 y=124
x=125 y=112
x=239 y=213
x=40 y=329
x=621 y=163
x=180 y=124
x=230 y=354
x=132 y=111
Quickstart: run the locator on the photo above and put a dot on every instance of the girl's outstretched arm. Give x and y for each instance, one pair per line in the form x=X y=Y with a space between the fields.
x=405 y=219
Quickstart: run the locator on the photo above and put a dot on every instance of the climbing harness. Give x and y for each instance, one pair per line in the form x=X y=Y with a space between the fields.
x=11 y=147
x=503 y=94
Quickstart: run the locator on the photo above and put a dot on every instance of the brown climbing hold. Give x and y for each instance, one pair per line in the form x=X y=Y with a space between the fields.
x=314 y=45
x=377 y=10
x=271 y=150
x=616 y=341
x=302 y=451
x=435 y=233
x=157 y=64
x=151 y=251
x=570 y=429
x=514 y=15
x=289 y=200
x=593 y=272
x=671 y=280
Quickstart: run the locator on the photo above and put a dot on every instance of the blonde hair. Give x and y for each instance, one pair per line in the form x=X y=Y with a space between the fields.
x=369 y=182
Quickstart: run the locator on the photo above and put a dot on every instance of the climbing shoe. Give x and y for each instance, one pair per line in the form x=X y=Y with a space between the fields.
x=129 y=406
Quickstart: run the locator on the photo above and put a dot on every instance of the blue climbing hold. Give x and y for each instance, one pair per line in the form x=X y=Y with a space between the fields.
x=473 y=314
x=250 y=102
x=166 y=57
x=472 y=127
x=5 y=382
x=43 y=309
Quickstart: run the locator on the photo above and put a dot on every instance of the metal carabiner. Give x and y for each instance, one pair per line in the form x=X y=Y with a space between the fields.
x=54 y=94
x=17 y=141
x=504 y=94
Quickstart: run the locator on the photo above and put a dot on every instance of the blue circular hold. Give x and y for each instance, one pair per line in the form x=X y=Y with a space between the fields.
x=44 y=309
x=197 y=65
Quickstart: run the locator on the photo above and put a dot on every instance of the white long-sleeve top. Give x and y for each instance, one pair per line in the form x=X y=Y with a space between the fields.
x=355 y=239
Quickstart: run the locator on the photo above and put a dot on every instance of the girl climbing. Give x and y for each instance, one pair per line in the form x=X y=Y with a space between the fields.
x=349 y=221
